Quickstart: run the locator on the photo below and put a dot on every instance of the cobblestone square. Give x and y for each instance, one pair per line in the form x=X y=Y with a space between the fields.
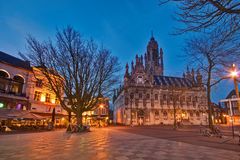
x=100 y=144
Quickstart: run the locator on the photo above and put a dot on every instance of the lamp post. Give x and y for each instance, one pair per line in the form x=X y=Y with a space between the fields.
x=231 y=113
x=234 y=75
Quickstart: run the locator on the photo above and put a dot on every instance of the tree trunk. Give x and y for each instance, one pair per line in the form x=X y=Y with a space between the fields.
x=69 y=117
x=209 y=102
x=79 y=119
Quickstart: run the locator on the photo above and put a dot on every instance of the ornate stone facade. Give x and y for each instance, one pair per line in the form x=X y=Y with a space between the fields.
x=148 y=97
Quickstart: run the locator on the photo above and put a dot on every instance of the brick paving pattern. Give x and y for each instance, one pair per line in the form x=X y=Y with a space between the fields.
x=103 y=144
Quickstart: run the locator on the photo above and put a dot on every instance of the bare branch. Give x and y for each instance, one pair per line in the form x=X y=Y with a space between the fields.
x=84 y=72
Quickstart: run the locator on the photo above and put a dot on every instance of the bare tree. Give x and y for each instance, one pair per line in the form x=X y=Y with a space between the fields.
x=198 y=15
x=213 y=54
x=81 y=69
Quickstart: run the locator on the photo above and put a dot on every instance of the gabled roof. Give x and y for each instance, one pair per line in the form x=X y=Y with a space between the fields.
x=230 y=94
x=173 y=81
x=11 y=60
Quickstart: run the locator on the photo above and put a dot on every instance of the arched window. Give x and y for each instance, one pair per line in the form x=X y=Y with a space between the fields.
x=17 y=84
x=18 y=79
x=4 y=74
x=3 y=80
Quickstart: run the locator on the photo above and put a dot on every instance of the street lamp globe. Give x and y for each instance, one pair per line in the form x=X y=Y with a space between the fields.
x=234 y=72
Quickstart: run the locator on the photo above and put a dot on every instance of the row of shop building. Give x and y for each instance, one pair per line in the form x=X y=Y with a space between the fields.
x=24 y=88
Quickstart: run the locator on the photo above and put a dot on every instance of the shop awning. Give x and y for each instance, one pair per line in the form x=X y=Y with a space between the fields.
x=18 y=114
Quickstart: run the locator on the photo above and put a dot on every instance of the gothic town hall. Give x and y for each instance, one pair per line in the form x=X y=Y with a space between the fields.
x=148 y=97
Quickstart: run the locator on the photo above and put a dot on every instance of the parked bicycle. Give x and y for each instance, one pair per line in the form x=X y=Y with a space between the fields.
x=214 y=132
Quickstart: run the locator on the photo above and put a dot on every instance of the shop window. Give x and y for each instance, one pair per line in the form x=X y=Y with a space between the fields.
x=37 y=95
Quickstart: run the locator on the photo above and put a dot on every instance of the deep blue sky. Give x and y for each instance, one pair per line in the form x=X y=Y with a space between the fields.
x=122 y=26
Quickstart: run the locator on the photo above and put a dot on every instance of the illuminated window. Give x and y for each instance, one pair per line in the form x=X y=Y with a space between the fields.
x=17 y=84
x=37 y=95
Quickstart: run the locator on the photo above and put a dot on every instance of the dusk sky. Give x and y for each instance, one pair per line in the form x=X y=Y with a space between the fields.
x=122 y=26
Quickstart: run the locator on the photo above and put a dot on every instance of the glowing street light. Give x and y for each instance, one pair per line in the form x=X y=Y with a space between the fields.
x=234 y=73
